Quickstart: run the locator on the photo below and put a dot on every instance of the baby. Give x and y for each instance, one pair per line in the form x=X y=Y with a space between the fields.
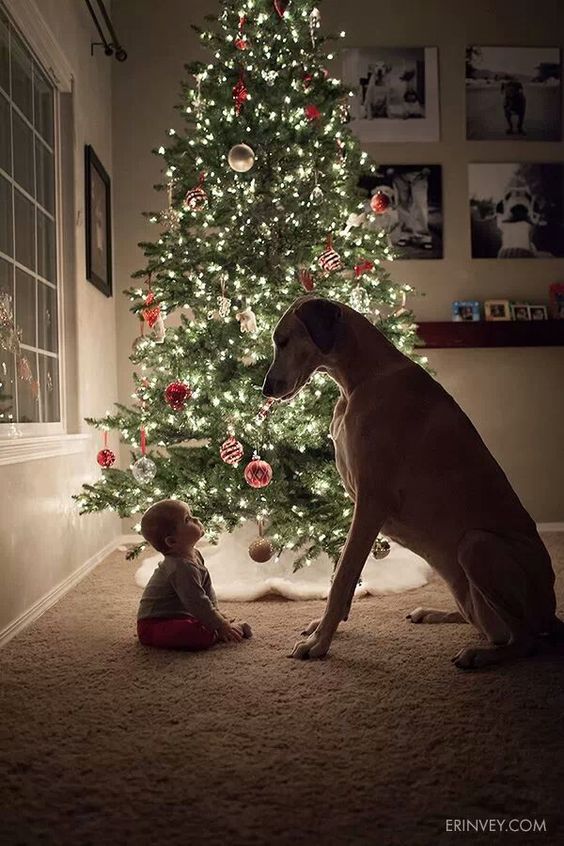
x=178 y=609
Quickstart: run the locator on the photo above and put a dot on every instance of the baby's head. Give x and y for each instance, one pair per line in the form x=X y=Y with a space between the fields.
x=169 y=526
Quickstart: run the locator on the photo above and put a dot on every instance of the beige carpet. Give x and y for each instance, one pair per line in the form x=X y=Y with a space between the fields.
x=105 y=742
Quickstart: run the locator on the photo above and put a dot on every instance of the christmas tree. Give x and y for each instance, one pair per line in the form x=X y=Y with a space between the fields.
x=263 y=206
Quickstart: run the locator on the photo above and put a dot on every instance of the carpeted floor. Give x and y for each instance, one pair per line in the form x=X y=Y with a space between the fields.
x=105 y=742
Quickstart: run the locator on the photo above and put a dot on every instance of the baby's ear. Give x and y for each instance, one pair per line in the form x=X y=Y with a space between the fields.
x=169 y=541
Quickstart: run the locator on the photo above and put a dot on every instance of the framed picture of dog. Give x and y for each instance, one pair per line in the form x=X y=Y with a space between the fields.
x=517 y=210
x=513 y=93
x=413 y=219
x=395 y=93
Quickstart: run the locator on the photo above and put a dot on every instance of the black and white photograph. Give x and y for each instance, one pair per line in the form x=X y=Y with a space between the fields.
x=98 y=223
x=409 y=204
x=516 y=210
x=513 y=93
x=396 y=93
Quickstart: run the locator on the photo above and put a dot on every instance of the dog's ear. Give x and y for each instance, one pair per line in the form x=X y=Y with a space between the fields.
x=321 y=318
x=500 y=207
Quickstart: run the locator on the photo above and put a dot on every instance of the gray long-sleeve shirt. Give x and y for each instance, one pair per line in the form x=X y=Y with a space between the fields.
x=181 y=588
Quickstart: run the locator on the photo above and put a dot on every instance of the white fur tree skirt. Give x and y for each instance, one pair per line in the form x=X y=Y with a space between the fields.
x=237 y=578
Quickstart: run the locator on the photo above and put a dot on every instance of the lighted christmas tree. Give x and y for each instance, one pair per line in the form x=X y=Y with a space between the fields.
x=263 y=206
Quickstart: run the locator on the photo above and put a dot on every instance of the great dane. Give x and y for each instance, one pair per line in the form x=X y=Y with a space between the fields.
x=418 y=471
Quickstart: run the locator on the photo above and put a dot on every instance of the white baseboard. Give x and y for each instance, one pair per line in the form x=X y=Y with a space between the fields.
x=38 y=608
x=550 y=527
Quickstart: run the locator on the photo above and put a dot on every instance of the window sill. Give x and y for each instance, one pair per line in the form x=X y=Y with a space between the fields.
x=16 y=450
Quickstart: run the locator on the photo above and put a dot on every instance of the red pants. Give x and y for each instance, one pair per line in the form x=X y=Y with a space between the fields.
x=175 y=633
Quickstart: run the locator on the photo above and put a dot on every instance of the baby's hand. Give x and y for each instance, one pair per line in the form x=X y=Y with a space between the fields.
x=227 y=632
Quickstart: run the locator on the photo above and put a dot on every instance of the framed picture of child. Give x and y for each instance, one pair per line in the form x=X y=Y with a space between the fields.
x=466 y=310
x=517 y=210
x=520 y=311
x=413 y=219
x=395 y=93
x=513 y=92
x=538 y=312
x=497 y=310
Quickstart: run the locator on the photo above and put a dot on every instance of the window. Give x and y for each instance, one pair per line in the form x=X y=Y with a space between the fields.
x=30 y=397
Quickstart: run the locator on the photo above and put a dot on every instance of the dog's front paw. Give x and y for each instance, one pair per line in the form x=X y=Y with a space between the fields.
x=471 y=658
x=311 y=627
x=313 y=647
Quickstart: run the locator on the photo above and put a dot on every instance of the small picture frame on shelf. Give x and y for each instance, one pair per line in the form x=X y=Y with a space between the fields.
x=538 y=312
x=556 y=293
x=520 y=311
x=497 y=310
x=465 y=310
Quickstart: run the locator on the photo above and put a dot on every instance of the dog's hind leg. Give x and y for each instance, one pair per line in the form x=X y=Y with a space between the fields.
x=431 y=615
x=498 y=599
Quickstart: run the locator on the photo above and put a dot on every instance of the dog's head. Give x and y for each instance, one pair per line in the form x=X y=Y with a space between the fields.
x=518 y=205
x=378 y=71
x=304 y=339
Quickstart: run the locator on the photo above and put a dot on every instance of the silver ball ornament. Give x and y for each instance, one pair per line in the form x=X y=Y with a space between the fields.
x=144 y=470
x=241 y=158
x=381 y=548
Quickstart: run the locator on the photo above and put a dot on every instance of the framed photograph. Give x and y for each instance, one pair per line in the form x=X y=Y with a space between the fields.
x=517 y=210
x=520 y=311
x=556 y=294
x=413 y=219
x=538 y=312
x=396 y=93
x=98 y=223
x=497 y=310
x=513 y=93
x=466 y=310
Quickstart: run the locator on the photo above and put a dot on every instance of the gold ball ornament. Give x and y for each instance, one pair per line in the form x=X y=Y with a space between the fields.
x=381 y=548
x=261 y=550
x=241 y=158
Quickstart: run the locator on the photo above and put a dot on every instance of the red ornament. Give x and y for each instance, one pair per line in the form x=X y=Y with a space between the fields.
x=306 y=280
x=361 y=268
x=151 y=314
x=280 y=6
x=240 y=94
x=258 y=474
x=176 y=395
x=231 y=451
x=241 y=42
x=105 y=458
x=312 y=112
x=308 y=79
x=380 y=202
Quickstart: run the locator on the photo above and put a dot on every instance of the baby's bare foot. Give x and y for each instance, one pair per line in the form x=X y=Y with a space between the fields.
x=246 y=629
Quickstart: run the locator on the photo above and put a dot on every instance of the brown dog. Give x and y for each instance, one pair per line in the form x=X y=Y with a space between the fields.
x=418 y=471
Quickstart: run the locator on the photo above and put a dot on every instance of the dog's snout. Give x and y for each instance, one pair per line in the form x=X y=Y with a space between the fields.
x=273 y=387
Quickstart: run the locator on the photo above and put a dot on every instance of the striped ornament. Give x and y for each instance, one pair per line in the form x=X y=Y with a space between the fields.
x=258 y=474
x=195 y=199
x=231 y=451
x=330 y=260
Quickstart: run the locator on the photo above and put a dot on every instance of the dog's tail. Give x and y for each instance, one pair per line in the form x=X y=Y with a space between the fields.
x=556 y=631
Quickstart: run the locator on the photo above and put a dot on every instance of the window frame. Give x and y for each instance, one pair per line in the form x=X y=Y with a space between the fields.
x=33 y=31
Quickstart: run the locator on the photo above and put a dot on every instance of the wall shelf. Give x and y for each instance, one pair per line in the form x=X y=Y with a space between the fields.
x=485 y=333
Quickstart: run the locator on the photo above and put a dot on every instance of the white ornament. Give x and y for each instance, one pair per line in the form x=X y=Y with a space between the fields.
x=314 y=23
x=316 y=195
x=247 y=319
x=159 y=331
x=241 y=158
x=144 y=470
x=353 y=220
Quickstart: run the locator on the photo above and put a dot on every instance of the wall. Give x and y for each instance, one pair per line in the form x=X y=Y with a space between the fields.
x=43 y=540
x=514 y=396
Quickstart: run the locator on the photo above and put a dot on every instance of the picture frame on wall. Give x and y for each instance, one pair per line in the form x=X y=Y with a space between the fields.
x=413 y=215
x=98 y=223
x=517 y=210
x=497 y=310
x=520 y=311
x=396 y=93
x=513 y=93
